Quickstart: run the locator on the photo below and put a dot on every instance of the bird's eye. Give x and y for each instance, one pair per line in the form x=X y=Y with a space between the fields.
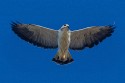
x=64 y=24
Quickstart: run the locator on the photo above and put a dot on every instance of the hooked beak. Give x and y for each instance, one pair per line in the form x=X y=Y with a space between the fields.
x=67 y=25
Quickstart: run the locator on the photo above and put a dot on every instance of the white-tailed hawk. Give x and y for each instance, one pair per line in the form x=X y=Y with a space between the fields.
x=63 y=39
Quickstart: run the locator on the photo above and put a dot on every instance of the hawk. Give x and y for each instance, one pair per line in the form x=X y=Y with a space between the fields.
x=63 y=39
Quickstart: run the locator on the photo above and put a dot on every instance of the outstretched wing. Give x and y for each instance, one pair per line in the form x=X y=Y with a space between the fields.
x=89 y=37
x=37 y=35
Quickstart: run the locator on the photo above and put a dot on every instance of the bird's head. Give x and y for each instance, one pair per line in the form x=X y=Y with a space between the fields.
x=65 y=27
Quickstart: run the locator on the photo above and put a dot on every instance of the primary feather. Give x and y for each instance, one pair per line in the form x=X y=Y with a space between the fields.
x=37 y=35
x=89 y=37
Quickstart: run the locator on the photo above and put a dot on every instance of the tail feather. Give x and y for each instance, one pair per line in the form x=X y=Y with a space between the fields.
x=61 y=58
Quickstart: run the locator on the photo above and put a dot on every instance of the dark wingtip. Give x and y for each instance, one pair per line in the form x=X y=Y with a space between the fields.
x=14 y=23
x=113 y=26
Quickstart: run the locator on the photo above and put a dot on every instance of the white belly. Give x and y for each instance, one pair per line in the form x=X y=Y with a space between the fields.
x=63 y=40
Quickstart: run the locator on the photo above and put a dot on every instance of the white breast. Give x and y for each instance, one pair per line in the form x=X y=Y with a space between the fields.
x=60 y=36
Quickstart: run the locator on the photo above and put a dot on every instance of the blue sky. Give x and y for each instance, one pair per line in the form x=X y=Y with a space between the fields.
x=21 y=62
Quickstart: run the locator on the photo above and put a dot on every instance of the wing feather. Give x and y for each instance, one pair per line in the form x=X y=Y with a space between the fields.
x=89 y=37
x=37 y=35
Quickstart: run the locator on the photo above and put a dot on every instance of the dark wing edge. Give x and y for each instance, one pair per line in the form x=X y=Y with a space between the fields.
x=36 y=35
x=89 y=37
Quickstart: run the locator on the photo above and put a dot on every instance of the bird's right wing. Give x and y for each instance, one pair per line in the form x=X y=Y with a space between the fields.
x=89 y=37
x=37 y=35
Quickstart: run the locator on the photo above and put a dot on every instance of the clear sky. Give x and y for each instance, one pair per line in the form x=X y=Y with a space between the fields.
x=21 y=62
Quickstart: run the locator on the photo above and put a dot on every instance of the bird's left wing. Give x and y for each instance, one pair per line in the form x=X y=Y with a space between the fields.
x=37 y=35
x=89 y=37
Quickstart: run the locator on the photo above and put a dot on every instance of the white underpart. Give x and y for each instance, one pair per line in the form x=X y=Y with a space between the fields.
x=60 y=35
x=69 y=33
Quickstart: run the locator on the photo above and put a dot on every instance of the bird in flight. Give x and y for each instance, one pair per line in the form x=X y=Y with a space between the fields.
x=63 y=39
